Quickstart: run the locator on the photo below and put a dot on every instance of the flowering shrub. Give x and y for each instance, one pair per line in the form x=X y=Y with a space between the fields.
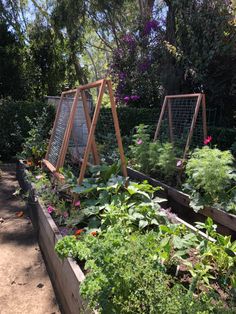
x=134 y=66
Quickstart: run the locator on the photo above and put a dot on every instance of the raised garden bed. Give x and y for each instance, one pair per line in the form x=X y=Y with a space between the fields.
x=66 y=275
x=179 y=202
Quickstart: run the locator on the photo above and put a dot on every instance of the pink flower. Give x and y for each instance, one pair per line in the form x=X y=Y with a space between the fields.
x=126 y=98
x=65 y=215
x=77 y=204
x=207 y=140
x=179 y=163
x=139 y=141
x=40 y=176
x=50 y=209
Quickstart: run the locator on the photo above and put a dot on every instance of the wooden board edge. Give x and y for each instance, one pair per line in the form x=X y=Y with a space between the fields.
x=225 y=219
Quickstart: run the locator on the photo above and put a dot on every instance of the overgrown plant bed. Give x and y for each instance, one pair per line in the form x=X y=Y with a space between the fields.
x=179 y=203
x=136 y=260
x=207 y=177
x=66 y=275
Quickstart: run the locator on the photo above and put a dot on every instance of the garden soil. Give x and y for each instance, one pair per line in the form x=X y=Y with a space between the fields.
x=25 y=286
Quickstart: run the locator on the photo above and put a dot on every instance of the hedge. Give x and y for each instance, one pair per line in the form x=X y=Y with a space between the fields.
x=223 y=137
x=14 y=126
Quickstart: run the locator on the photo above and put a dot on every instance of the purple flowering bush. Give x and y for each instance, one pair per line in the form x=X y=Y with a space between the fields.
x=134 y=66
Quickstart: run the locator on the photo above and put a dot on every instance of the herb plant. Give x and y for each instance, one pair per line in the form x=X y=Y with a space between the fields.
x=211 y=178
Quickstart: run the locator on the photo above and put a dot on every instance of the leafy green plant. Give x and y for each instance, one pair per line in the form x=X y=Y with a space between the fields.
x=127 y=274
x=140 y=148
x=152 y=157
x=210 y=177
x=35 y=145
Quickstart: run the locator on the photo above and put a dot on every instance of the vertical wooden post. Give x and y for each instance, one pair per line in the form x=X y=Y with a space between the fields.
x=204 y=122
x=192 y=125
x=160 y=119
x=91 y=132
x=67 y=134
x=170 y=121
x=117 y=129
x=88 y=122
x=54 y=126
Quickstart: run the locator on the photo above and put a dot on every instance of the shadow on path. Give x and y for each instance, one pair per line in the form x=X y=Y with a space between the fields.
x=25 y=286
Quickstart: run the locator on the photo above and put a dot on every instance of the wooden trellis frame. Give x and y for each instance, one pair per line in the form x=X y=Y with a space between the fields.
x=200 y=101
x=91 y=126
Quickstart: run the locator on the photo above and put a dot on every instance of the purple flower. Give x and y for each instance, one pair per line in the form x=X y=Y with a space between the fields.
x=144 y=66
x=134 y=97
x=50 y=209
x=122 y=75
x=63 y=231
x=139 y=141
x=40 y=176
x=126 y=98
x=150 y=25
x=129 y=40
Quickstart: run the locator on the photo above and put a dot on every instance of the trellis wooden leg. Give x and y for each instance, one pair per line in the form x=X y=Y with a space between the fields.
x=117 y=129
x=88 y=122
x=170 y=121
x=160 y=119
x=192 y=125
x=204 y=122
x=91 y=132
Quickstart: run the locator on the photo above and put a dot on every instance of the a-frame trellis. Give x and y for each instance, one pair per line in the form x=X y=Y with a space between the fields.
x=198 y=101
x=59 y=140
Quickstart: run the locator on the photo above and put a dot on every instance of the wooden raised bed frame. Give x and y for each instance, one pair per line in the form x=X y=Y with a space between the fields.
x=179 y=202
x=66 y=275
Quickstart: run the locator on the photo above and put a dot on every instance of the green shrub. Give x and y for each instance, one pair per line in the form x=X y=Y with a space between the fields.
x=210 y=177
x=222 y=137
x=152 y=157
x=14 y=126
x=35 y=145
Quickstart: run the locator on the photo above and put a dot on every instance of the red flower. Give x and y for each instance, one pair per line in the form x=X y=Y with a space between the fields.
x=207 y=140
x=78 y=232
x=94 y=233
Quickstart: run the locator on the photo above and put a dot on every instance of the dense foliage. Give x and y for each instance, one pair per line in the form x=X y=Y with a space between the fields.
x=15 y=124
x=211 y=179
x=150 y=48
x=152 y=157
x=136 y=259
x=134 y=264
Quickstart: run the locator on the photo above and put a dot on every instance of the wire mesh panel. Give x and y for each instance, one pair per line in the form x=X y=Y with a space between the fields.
x=182 y=121
x=60 y=129
x=74 y=135
x=105 y=134
x=78 y=137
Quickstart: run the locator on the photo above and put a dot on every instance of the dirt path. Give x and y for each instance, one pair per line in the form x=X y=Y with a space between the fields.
x=24 y=283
